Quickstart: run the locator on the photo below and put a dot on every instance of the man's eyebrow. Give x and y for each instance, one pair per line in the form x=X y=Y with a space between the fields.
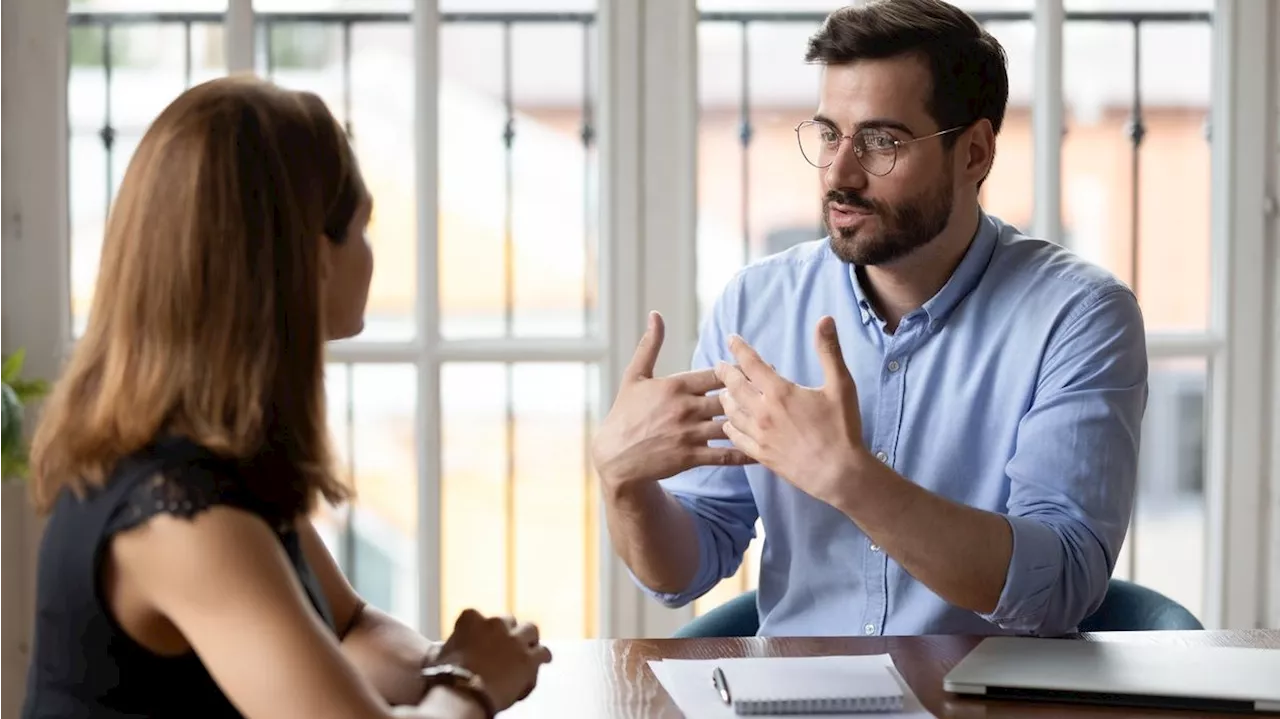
x=875 y=123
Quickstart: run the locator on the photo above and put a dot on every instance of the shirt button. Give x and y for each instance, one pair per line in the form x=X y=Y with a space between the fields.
x=894 y=366
x=882 y=456
x=875 y=547
x=869 y=629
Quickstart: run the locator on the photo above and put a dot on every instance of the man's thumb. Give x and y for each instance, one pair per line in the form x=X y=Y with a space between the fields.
x=827 y=341
x=646 y=356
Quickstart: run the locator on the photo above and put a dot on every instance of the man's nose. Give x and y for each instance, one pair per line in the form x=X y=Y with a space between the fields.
x=845 y=169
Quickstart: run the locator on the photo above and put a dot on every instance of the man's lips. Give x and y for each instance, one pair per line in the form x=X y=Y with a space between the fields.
x=844 y=216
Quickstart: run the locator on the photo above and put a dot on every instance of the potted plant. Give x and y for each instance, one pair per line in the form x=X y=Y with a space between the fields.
x=20 y=526
x=18 y=393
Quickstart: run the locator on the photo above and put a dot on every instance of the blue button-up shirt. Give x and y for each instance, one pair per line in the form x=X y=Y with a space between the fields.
x=1019 y=389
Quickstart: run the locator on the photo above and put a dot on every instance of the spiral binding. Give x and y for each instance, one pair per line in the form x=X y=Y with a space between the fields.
x=826 y=705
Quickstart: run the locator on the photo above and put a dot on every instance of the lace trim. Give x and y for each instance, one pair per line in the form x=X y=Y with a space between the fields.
x=182 y=492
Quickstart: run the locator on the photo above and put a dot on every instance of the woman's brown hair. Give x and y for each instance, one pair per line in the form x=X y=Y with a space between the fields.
x=207 y=321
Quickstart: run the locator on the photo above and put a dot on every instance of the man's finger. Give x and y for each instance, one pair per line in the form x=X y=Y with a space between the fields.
x=720 y=457
x=741 y=440
x=746 y=392
x=707 y=431
x=834 y=371
x=760 y=373
x=699 y=381
x=738 y=416
x=705 y=407
x=646 y=354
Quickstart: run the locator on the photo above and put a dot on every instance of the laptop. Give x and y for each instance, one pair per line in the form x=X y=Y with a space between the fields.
x=1209 y=679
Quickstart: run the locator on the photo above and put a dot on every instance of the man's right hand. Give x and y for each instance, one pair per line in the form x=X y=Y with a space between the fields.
x=659 y=427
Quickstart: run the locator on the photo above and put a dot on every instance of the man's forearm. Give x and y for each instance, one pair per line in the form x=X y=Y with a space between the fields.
x=389 y=654
x=959 y=552
x=653 y=534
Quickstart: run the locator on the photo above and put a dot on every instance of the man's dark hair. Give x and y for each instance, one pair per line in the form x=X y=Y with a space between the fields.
x=967 y=64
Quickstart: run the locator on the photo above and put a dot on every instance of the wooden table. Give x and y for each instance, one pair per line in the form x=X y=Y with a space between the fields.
x=611 y=678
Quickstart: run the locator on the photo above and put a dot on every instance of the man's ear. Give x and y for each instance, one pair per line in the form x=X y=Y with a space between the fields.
x=978 y=150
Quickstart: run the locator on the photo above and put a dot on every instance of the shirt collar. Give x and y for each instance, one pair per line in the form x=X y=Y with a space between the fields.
x=962 y=281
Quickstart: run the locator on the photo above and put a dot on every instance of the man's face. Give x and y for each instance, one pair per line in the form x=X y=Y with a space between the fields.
x=875 y=220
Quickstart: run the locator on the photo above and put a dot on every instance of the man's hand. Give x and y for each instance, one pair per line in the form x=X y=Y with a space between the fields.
x=659 y=427
x=812 y=437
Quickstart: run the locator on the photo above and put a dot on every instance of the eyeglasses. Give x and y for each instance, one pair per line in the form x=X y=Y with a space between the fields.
x=876 y=150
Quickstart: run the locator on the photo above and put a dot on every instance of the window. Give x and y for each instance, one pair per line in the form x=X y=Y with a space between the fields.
x=464 y=410
x=757 y=196
x=1136 y=96
x=516 y=270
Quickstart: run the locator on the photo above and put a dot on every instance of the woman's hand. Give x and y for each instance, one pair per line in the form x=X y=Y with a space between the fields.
x=505 y=654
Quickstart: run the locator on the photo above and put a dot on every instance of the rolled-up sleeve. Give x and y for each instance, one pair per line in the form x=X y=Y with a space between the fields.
x=1075 y=467
x=718 y=499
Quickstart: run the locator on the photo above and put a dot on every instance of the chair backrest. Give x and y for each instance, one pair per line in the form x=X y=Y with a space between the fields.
x=1128 y=607
x=738 y=617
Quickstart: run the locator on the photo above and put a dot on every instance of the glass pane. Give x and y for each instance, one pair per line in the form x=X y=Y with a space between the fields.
x=1166 y=546
x=350 y=6
x=515 y=259
x=517 y=5
x=1009 y=190
x=372 y=418
x=148 y=5
x=826 y=6
x=377 y=110
x=1098 y=172
x=519 y=499
x=107 y=113
x=1142 y=5
x=734 y=228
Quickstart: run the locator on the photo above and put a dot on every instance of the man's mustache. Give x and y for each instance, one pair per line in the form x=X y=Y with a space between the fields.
x=851 y=199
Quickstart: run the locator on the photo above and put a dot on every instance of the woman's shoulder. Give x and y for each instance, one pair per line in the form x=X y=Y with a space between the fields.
x=177 y=477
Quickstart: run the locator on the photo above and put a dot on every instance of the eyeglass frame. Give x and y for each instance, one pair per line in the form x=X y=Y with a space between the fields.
x=897 y=144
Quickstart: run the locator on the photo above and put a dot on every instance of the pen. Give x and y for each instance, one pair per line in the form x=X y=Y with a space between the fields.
x=722 y=685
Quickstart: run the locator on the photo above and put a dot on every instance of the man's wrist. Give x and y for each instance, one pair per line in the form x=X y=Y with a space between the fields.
x=620 y=490
x=851 y=474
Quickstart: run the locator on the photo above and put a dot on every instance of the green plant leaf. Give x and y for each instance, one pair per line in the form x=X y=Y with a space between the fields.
x=13 y=463
x=30 y=389
x=11 y=427
x=13 y=366
x=14 y=467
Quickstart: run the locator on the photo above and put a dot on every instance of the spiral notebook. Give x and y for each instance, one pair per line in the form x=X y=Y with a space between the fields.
x=785 y=686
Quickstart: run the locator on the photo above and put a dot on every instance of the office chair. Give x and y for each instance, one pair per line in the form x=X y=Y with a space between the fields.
x=1128 y=607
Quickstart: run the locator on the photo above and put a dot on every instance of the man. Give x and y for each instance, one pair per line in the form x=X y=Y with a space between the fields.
x=963 y=458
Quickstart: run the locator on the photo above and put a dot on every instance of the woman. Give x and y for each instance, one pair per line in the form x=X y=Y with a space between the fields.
x=185 y=447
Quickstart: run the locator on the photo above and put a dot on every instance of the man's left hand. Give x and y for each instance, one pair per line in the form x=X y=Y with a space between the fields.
x=810 y=436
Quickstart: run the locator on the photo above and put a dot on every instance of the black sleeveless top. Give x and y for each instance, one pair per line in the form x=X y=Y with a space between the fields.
x=84 y=665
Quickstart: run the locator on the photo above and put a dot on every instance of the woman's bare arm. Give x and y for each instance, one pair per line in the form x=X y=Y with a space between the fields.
x=389 y=654
x=224 y=581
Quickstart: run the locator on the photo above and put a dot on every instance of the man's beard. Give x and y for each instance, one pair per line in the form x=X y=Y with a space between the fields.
x=902 y=229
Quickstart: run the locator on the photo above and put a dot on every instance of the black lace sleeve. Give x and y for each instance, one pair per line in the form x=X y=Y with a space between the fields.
x=184 y=490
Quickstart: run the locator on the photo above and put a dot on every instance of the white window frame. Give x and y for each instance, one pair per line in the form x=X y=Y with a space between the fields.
x=647 y=111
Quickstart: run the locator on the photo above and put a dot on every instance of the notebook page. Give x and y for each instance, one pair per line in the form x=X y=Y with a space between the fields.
x=688 y=682
x=766 y=679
